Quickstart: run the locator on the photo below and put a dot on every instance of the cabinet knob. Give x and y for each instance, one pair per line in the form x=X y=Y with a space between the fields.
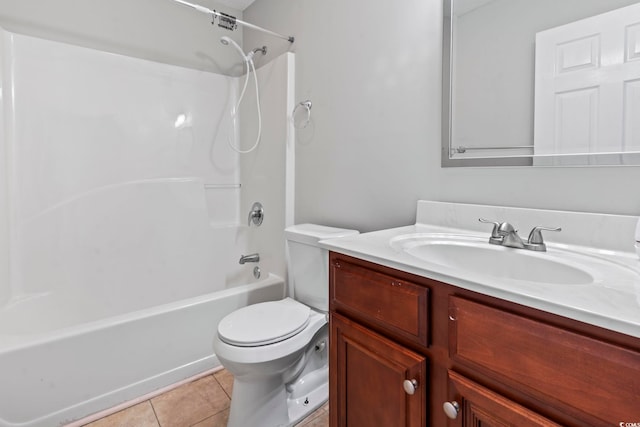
x=451 y=409
x=410 y=386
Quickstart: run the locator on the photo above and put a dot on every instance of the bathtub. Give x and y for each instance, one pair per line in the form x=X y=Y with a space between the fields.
x=121 y=228
x=52 y=377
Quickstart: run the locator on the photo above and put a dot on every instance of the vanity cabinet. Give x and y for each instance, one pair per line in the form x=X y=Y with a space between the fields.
x=492 y=362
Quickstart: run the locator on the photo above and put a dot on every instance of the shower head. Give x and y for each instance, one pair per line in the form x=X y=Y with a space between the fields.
x=229 y=41
x=262 y=50
x=249 y=55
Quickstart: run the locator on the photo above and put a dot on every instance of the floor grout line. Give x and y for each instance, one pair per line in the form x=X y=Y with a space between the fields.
x=155 y=414
x=140 y=399
x=215 y=419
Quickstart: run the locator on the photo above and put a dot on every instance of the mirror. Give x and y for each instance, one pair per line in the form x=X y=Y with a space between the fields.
x=541 y=83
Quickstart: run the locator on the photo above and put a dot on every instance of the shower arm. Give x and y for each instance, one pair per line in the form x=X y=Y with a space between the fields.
x=208 y=11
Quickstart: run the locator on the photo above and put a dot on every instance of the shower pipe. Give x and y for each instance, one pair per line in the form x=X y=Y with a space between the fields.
x=206 y=10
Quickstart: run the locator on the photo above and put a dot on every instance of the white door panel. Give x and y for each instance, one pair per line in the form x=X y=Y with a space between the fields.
x=587 y=86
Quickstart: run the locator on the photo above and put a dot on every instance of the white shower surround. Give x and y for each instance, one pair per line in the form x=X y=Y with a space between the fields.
x=122 y=215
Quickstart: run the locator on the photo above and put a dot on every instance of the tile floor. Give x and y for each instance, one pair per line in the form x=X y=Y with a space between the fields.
x=201 y=403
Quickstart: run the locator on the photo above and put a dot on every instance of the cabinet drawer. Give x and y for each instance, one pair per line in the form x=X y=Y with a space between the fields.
x=381 y=300
x=593 y=380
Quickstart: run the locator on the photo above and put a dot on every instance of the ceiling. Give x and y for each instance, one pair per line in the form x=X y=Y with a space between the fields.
x=236 y=4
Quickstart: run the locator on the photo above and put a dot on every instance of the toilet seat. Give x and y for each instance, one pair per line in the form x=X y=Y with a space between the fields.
x=264 y=323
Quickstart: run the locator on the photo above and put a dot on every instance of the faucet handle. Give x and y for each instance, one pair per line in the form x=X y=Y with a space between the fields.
x=535 y=236
x=495 y=237
x=494 y=232
x=535 y=241
x=256 y=215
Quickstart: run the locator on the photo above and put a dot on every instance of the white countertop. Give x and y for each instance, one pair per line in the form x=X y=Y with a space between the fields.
x=611 y=302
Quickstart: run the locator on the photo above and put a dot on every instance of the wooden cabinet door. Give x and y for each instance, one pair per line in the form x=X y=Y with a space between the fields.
x=481 y=407
x=367 y=372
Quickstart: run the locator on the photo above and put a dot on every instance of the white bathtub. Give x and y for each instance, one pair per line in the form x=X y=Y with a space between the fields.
x=121 y=227
x=50 y=378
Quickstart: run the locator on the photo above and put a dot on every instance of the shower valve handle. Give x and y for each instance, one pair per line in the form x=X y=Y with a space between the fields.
x=256 y=215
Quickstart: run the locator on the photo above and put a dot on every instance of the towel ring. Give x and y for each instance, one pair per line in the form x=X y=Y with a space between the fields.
x=307 y=105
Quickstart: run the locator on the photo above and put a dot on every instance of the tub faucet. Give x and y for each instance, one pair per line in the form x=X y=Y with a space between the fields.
x=249 y=258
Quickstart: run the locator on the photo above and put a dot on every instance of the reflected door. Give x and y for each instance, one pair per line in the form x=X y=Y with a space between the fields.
x=587 y=87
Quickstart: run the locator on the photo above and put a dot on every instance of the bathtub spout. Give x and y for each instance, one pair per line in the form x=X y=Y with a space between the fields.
x=249 y=258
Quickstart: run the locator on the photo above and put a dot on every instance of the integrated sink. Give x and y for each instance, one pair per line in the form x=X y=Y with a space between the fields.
x=589 y=272
x=474 y=255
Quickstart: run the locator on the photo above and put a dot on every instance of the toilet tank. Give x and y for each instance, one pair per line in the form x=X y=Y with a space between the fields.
x=309 y=263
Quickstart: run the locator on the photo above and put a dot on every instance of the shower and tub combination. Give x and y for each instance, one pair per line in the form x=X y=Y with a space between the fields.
x=122 y=215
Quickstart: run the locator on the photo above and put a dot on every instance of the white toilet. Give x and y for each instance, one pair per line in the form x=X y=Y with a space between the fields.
x=278 y=351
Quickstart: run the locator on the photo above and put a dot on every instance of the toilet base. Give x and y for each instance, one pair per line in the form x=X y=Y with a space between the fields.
x=260 y=403
x=283 y=399
x=302 y=406
x=268 y=404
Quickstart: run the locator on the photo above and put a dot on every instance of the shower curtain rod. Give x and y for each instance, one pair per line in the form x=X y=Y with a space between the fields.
x=220 y=15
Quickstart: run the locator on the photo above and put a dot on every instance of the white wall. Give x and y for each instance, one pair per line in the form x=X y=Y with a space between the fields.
x=166 y=32
x=362 y=161
x=108 y=159
x=373 y=72
x=159 y=30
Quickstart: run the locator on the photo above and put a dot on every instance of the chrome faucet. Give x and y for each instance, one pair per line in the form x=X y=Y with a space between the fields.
x=510 y=236
x=505 y=234
x=249 y=258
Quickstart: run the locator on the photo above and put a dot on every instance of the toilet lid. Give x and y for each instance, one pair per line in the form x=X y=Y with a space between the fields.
x=264 y=323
